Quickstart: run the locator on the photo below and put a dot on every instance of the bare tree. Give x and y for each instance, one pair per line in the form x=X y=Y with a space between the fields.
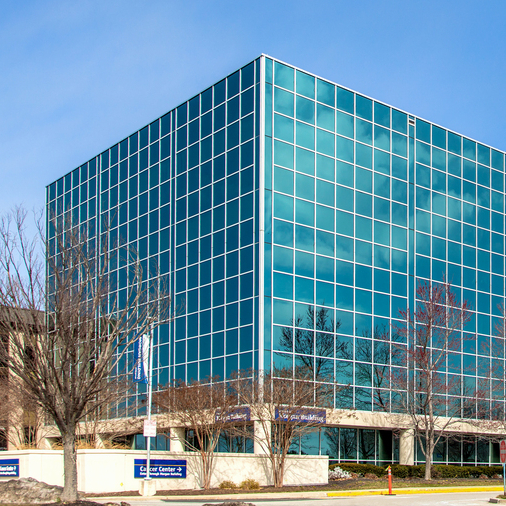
x=66 y=360
x=101 y=427
x=205 y=408
x=432 y=399
x=284 y=407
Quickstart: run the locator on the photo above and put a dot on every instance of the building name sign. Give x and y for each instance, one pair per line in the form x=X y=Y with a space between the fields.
x=302 y=415
x=160 y=468
x=9 y=467
x=234 y=415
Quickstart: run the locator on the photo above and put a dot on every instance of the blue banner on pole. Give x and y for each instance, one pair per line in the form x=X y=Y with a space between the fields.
x=9 y=467
x=160 y=468
x=141 y=354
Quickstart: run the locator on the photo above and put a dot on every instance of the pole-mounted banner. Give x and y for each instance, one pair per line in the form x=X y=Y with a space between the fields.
x=141 y=358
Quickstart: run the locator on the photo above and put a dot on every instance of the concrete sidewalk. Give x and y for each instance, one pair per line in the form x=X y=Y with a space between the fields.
x=298 y=495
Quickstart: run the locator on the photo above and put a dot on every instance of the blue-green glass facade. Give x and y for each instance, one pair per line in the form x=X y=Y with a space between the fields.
x=183 y=194
x=363 y=201
x=294 y=218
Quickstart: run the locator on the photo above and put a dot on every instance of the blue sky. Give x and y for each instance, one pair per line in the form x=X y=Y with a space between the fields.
x=77 y=77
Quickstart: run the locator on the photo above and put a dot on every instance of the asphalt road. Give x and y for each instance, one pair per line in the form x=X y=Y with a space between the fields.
x=445 y=499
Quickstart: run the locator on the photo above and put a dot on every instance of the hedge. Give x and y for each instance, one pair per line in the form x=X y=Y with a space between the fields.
x=452 y=471
x=360 y=468
x=438 y=470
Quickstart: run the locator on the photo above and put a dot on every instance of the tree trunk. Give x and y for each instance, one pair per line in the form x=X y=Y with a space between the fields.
x=278 y=469
x=429 y=450
x=428 y=475
x=275 y=476
x=69 y=467
x=206 y=471
x=281 y=471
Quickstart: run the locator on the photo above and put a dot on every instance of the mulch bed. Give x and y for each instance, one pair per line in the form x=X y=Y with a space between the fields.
x=335 y=485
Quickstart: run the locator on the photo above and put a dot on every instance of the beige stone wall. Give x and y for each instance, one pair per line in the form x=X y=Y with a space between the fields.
x=113 y=470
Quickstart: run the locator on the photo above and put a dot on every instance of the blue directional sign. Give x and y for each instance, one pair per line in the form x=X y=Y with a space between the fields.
x=9 y=467
x=160 y=468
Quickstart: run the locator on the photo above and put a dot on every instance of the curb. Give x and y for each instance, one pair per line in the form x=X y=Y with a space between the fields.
x=406 y=491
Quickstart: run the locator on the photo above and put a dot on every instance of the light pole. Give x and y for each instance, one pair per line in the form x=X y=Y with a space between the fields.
x=150 y=397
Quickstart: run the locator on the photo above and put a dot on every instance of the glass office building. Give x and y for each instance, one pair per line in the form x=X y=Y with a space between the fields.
x=294 y=218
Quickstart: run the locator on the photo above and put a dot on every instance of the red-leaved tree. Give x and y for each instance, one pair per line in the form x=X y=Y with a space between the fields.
x=432 y=399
